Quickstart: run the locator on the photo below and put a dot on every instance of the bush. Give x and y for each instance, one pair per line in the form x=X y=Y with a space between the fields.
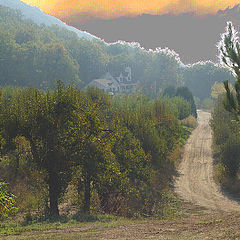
x=190 y=122
x=7 y=201
x=231 y=156
x=168 y=206
x=180 y=107
x=226 y=142
x=185 y=93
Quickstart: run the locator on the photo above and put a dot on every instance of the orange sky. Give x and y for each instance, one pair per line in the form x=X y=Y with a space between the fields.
x=106 y=9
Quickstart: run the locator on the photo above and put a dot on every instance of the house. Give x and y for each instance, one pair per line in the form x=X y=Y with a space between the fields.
x=115 y=84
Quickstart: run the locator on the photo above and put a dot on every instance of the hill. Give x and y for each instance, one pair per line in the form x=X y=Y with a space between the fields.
x=36 y=55
x=39 y=17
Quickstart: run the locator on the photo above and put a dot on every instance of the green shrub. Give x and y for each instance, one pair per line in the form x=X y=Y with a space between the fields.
x=7 y=201
x=190 y=122
x=168 y=206
x=180 y=107
x=231 y=156
x=226 y=142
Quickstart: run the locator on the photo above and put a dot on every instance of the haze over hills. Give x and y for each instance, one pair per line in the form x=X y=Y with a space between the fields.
x=40 y=17
x=193 y=37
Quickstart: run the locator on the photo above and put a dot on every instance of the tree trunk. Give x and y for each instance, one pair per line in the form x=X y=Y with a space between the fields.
x=16 y=167
x=87 y=195
x=53 y=194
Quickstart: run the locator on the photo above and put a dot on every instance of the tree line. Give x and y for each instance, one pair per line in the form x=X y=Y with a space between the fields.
x=118 y=148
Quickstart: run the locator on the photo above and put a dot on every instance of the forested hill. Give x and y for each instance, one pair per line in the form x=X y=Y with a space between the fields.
x=39 y=17
x=36 y=55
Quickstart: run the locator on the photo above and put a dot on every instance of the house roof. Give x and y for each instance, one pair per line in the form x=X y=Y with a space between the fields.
x=104 y=82
x=125 y=74
x=115 y=79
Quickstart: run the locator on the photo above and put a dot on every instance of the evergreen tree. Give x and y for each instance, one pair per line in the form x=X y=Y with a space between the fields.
x=230 y=57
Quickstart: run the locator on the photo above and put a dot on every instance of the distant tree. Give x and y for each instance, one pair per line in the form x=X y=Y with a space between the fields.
x=201 y=76
x=185 y=93
x=180 y=107
x=170 y=91
x=90 y=56
x=217 y=89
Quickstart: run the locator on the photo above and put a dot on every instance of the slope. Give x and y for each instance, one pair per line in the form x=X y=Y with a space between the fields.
x=39 y=17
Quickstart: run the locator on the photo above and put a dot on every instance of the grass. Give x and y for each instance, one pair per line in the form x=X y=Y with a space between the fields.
x=57 y=236
x=65 y=228
x=190 y=122
x=14 y=227
x=58 y=230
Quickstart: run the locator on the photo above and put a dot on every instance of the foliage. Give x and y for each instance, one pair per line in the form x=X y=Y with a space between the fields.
x=225 y=122
x=7 y=201
x=230 y=55
x=170 y=91
x=226 y=139
x=217 y=90
x=200 y=77
x=56 y=135
x=190 y=122
x=183 y=101
x=168 y=206
x=114 y=148
x=180 y=107
x=42 y=120
x=185 y=93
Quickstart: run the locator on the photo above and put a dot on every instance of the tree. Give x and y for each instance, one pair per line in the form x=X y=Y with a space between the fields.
x=217 y=89
x=230 y=57
x=170 y=91
x=180 y=107
x=43 y=119
x=200 y=77
x=185 y=93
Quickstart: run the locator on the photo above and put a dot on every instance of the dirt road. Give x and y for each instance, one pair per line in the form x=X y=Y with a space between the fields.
x=195 y=182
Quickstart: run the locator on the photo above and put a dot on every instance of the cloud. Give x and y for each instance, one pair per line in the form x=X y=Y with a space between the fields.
x=82 y=10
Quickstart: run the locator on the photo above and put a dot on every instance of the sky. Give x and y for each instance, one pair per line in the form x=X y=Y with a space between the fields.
x=192 y=28
x=73 y=11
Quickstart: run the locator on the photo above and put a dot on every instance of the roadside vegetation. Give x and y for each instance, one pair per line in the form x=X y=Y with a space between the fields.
x=226 y=142
x=226 y=116
x=72 y=154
